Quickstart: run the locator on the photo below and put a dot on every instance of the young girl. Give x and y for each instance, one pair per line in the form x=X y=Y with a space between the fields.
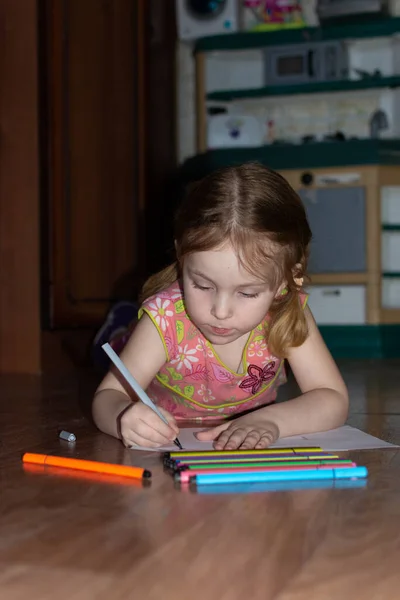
x=215 y=326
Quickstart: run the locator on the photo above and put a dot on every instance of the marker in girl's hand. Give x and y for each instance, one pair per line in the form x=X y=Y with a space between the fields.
x=141 y=394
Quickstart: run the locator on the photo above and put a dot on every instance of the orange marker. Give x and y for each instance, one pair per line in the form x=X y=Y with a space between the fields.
x=87 y=476
x=86 y=465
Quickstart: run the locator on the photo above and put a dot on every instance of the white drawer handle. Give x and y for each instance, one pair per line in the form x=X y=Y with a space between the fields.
x=331 y=293
x=337 y=179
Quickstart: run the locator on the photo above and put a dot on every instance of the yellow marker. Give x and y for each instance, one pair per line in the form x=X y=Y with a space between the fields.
x=290 y=451
x=195 y=460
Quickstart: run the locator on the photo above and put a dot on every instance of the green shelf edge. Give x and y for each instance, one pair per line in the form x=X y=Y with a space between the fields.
x=251 y=40
x=344 y=85
x=391 y=274
x=304 y=156
x=390 y=227
x=362 y=341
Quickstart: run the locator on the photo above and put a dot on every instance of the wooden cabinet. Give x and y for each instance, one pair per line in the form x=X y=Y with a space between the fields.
x=354 y=216
x=88 y=133
x=19 y=190
x=94 y=167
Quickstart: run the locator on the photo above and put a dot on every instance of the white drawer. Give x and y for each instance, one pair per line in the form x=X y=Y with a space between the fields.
x=390 y=205
x=338 y=304
x=391 y=293
x=391 y=251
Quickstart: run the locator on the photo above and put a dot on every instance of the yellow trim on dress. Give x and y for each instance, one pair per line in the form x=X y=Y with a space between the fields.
x=227 y=404
x=243 y=358
x=160 y=333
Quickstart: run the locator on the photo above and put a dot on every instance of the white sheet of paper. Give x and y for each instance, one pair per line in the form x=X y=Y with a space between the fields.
x=342 y=438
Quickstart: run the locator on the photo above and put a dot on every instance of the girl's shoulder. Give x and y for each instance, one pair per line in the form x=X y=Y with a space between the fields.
x=166 y=310
x=172 y=293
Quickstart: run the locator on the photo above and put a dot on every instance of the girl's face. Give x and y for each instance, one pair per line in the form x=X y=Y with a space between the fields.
x=223 y=300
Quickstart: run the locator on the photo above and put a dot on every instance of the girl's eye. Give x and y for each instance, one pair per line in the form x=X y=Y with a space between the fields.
x=249 y=295
x=200 y=287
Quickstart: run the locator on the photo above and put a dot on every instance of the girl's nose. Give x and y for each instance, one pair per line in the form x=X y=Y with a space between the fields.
x=221 y=308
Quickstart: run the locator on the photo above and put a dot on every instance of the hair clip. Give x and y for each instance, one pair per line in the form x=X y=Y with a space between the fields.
x=298 y=281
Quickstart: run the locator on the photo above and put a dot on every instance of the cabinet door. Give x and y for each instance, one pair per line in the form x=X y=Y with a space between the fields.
x=95 y=167
x=337 y=220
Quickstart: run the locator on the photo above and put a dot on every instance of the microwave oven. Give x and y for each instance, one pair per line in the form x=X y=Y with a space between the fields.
x=305 y=63
x=330 y=9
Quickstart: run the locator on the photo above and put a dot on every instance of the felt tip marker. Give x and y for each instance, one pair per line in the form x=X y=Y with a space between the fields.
x=86 y=465
x=297 y=475
x=311 y=450
x=169 y=462
x=187 y=476
x=254 y=465
x=280 y=486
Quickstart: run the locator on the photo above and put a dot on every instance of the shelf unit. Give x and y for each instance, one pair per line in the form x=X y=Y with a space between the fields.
x=311 y=156
x=345 y=85
x=367 y=277
x=355 y=291
x=250 y=40
x=375 y=330
x=390 y=227
x=258 y=40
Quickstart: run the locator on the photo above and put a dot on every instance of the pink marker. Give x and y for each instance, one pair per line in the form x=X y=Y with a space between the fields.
x=184 y=476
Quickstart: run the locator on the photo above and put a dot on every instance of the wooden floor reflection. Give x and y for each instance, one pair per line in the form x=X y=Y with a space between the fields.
x=80 y=536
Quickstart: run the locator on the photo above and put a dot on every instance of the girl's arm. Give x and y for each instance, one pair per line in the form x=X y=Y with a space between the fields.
x=322 y=405
x=324 y=402
x=143 y=356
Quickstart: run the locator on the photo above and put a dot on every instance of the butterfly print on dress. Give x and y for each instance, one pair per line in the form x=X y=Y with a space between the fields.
x=257 y=376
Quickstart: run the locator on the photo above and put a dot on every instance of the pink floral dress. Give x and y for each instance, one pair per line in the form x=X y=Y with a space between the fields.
x=194 y=384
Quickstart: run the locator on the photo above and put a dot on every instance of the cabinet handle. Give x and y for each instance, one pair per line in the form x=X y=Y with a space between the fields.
x=331 y=293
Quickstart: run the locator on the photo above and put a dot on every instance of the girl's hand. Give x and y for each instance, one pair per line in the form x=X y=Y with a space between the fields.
x=244 y=433
x=143 y=427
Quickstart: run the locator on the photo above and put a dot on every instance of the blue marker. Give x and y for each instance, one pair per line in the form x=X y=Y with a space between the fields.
x=281 y=486
x=252 y=477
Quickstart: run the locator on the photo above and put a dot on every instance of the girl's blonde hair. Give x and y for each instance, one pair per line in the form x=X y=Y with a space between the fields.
x=256 y=210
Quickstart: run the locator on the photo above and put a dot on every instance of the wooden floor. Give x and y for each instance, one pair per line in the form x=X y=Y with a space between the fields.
x=75 y=538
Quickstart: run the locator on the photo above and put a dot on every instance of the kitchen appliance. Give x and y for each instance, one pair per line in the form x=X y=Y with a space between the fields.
x=198 y=18
x=331 y=9
x=305 y=63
